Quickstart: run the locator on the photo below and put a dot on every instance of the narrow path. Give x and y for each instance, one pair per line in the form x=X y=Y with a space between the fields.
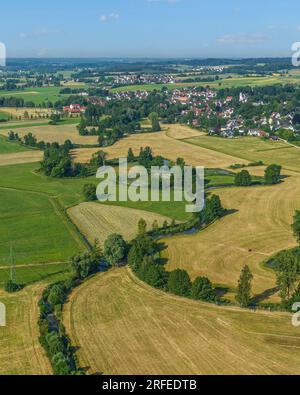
x=35 y=265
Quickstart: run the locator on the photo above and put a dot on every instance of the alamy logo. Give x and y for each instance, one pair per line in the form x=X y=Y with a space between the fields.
x=2 y=314
x=2 y=55
x=178 y=184
x=296 y=316
x=296 y=54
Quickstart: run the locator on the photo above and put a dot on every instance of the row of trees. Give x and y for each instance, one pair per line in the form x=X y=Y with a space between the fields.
x=144 y=260
x=53 y=336
x=272 y=176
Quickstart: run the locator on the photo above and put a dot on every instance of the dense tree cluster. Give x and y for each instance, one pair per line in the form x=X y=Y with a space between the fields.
x=58 y=163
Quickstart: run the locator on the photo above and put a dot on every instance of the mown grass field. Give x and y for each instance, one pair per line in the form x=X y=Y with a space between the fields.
x=20 y=351
x=99 y=221
x=122 y=326
x=33 y=224
x=252 y=149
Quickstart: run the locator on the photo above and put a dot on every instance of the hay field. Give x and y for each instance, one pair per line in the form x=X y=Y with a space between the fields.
x=20 y=351
x=54 y=133
x=165 y=143
x=96 y=220
x=122 y=326
x=20 y=157
x=260 y=227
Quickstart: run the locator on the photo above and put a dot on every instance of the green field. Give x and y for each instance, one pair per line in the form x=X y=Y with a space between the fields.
x=33 y=221
x=35 y=95
x=4 y=116
x=252 y=149
x=220 y=84
x=36 y=229
x=31 y=274
x=24 y=178
x=7 y=147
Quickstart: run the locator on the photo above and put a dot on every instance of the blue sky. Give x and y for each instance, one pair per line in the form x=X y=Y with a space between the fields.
x=149 y=28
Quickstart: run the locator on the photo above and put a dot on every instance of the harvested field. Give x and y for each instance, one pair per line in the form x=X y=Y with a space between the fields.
x=20 y=351
x=96 y=220
x=122 y=326
x=164 y=143
x=20 y=157
x=259 y=227
x=54 y=133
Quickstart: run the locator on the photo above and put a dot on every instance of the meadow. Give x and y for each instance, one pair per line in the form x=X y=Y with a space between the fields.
x=122 y=326
x=7 y=147
x=38 y=96
x=34 y=223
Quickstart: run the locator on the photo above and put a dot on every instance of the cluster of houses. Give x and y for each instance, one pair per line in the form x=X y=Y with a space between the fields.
x=214 y=69
x=135 y=79
x=128 y=95
x=74 y=109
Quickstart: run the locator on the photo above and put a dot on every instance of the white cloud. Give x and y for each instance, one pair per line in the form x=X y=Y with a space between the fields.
x=242 y=38
x=113 y=16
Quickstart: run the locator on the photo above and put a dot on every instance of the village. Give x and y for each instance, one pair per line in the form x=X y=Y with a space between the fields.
x=204 y=108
